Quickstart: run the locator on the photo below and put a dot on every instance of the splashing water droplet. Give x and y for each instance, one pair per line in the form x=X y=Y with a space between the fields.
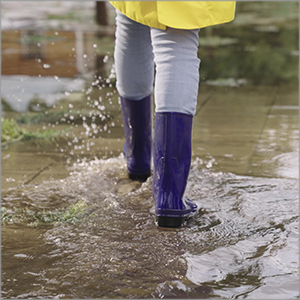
x=105 y=59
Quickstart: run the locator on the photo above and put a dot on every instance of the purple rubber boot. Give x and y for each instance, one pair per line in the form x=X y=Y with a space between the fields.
x=172 y=160
x=137 y=120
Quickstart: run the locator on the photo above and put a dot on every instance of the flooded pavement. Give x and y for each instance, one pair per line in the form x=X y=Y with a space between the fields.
x=243 y=242
x=74 y=226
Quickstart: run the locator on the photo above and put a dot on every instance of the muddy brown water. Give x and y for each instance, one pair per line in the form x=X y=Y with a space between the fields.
x=243 y=242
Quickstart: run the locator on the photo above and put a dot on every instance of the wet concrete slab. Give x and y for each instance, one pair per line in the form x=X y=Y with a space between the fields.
x=30 y=163
x=277 y=150
x=245 y=131
x=229 y=128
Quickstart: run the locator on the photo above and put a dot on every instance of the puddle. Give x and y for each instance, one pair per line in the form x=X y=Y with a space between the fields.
x=243 y=240
x=19 y=91
x=74 y=226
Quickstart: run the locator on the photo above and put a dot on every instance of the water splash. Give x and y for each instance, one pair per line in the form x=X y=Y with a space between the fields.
x=243 y=242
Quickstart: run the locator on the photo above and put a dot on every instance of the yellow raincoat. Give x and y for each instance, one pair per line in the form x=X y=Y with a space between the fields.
x=177 y=14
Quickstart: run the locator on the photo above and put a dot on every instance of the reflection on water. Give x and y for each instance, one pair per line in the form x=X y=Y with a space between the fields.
x=51 y=64
x=50 y=53
x=20 y=91
x=243 y=242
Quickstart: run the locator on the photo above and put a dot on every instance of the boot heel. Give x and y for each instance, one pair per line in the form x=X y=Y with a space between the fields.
x=141 y=178
x=169 y=221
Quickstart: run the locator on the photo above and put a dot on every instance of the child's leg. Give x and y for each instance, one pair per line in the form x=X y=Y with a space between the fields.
x=133 y=59
x=176 y=91
x=135 y=74
x=177 y=70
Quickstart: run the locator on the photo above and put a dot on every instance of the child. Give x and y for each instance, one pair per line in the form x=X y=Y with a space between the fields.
x=164 y=34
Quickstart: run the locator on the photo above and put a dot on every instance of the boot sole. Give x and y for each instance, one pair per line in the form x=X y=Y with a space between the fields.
x=173 y=222
x=141 y=178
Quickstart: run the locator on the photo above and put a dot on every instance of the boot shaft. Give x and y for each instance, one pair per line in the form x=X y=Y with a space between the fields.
x=137 y=120
x=172 y=159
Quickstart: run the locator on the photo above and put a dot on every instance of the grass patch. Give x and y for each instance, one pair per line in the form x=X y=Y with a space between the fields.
x=12 y=132
x=68 y=16
x=35 y=38
x=5 y=216
x=70 y=215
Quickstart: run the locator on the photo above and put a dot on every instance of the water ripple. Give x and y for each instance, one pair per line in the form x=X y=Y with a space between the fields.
x=242 y=243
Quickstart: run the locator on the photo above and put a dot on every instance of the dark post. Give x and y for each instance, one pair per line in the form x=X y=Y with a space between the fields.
x=101 y=13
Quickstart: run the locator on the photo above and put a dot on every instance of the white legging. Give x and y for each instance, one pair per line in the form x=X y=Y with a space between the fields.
x=174 y=52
